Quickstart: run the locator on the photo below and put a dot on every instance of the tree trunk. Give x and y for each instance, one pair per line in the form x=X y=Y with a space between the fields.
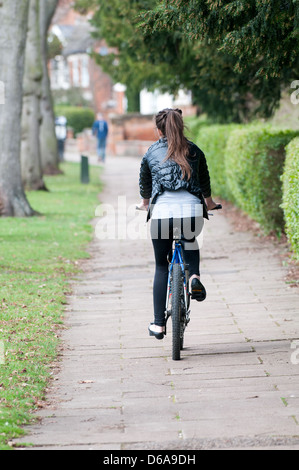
x=13 y=21
x=49 y=150
x=32 y=174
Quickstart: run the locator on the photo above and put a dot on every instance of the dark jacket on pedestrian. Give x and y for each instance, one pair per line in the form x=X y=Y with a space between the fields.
x=158 y=175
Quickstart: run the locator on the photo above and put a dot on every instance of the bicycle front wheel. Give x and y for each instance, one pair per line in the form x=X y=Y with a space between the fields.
x=176 y=312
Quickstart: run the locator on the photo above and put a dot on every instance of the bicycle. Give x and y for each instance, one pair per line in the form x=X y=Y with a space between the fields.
x=178 y=294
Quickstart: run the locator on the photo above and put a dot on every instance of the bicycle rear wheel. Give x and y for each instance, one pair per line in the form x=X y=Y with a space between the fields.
x=176 y=312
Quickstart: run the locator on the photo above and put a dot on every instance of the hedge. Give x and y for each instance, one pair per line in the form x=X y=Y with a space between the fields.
x=212 y=140
x=193 y=125
x=78 y=118
x=290 y=206
x=254 y=163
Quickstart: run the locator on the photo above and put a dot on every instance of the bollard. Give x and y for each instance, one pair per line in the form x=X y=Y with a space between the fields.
x=84 y=170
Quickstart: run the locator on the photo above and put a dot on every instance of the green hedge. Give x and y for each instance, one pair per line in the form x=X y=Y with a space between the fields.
x=78 y=118
x=212 y=140
x=194 y=124
x=254 y=160
x=246 y=164
x=290 y=179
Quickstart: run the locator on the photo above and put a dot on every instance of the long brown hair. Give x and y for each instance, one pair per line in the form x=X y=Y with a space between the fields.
x=170 y=123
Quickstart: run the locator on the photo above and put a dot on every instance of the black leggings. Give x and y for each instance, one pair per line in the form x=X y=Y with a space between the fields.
x=162 y=238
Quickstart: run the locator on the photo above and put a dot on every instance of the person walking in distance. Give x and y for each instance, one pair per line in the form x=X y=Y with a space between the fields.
x=175 y=188
x=100 y=130
x=61 y=135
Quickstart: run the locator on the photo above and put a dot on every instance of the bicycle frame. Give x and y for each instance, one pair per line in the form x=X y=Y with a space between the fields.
x=177 y=258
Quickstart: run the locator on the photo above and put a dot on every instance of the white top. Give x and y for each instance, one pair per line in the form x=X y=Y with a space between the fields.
x=178 y=204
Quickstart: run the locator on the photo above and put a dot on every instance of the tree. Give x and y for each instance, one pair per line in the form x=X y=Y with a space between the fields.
x=260 y=37
x=55 y=46
x=159 y=49
x=217 y=89
x=48 y=141
x=13 y=20
x=116 y=22
x=32 y=174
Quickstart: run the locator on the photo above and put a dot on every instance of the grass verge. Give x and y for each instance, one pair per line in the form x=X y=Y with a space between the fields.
x=37 y=258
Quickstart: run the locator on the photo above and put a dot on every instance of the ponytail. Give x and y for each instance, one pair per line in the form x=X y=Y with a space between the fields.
x=170 y=123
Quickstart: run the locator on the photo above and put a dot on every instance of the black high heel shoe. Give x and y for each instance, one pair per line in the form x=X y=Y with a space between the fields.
x=153 y=333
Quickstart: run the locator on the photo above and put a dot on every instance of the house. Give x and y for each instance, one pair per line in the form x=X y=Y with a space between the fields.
x=75 y=69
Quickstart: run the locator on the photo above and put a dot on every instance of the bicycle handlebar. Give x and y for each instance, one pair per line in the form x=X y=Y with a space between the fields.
x=216 y=208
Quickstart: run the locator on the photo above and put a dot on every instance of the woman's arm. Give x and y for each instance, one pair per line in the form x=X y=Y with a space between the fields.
x=204 y=181
x=204 y=176
x=145 y=180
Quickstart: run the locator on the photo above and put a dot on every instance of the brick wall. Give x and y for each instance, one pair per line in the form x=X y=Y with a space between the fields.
x=131 y=134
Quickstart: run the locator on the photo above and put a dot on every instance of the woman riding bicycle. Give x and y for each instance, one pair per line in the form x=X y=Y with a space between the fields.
x=175 y=189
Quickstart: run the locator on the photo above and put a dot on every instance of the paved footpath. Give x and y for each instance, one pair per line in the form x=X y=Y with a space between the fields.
x=237 y=385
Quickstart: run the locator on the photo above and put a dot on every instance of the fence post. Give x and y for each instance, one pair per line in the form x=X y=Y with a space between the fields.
x=84 y=170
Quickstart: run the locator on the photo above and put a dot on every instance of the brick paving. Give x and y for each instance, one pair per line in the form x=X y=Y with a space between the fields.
x=237 y=383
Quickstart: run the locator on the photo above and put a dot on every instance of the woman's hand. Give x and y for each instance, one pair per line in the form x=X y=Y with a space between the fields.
x=143 y=206
x=211 y=204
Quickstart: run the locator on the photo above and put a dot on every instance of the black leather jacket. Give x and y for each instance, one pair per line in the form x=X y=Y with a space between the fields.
x=157 y=175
